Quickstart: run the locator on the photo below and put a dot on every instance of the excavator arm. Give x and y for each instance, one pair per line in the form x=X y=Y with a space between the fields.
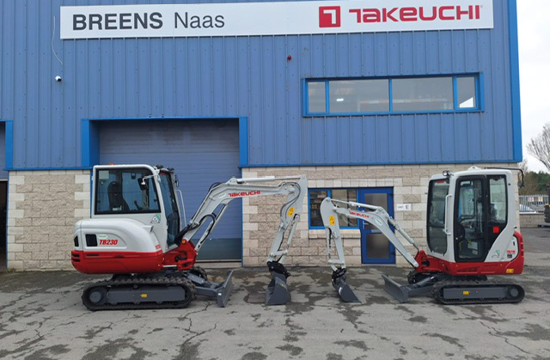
x=374 y=215
x=214 y=205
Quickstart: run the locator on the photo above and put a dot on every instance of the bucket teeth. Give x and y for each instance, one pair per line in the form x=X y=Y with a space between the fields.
x=277 y=290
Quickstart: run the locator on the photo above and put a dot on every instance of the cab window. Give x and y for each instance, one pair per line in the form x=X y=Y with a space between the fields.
x=498 y=204
x=125 y=191
x=437 y=239
x=170 y=206
x=470 y=220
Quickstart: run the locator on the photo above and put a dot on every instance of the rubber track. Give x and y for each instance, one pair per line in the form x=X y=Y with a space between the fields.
x=438 y=287
x=162 y=281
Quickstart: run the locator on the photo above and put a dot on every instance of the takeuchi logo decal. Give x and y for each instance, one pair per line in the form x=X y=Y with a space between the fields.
x=331 y=16
x=244 y=193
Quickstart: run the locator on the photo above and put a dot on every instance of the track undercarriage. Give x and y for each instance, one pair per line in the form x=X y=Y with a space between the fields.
x=454 y=290
x=163 y=290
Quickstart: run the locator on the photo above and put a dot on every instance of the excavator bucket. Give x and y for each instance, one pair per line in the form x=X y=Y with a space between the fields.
x=277 y=290
x=399 y=292
x=339 y=283
x=344 y=291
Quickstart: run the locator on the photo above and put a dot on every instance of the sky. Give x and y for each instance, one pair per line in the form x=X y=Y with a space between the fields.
x=534 y=63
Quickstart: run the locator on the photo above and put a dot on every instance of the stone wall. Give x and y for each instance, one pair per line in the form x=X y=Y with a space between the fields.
x=43 y=207
x=261 y=214
x=531 y=220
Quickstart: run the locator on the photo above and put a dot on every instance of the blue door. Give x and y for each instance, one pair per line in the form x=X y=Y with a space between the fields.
x=375 y=247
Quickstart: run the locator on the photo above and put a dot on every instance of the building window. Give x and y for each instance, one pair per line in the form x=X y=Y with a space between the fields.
x=396 y=95
x=420 y=94
x=363 y=96
x=316 y=197
x=317 y=95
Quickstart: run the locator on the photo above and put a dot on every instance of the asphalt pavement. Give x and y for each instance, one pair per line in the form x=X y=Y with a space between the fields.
x=42 y=317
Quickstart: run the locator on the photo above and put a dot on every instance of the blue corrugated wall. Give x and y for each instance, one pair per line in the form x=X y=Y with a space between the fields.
x=248 y=77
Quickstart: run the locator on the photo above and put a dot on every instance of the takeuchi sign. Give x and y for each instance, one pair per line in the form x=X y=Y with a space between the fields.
x=273 y=18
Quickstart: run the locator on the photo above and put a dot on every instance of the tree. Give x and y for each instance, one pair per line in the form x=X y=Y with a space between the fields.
x=533 y=183
x=539 y=146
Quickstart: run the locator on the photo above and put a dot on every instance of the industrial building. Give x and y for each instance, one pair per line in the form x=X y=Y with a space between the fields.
x=367 y=98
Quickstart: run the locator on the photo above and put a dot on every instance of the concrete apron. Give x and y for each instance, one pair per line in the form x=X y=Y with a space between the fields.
x=42 y=317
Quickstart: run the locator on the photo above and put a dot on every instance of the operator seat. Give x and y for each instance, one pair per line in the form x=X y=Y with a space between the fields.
x=116 y=200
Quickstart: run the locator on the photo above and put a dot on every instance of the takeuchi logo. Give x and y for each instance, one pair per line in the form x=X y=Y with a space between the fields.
x=244 y=193
x=331 y=16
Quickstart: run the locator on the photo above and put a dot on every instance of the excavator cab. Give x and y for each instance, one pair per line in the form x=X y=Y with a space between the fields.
x=141 y=193
x=471 y=219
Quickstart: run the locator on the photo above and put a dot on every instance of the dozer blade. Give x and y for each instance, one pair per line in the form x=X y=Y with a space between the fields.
x=219 y=291
x=344 y=291
x=399 y=292
x=402 y=292
x=224 y=291
x=277 y=290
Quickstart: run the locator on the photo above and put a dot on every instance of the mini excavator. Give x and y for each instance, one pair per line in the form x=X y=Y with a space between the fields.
x=135 y=235
x=471 y=234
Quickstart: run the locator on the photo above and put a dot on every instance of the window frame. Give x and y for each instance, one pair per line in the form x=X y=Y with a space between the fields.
x=123 y=212
x=478 y=81
x=329 y=192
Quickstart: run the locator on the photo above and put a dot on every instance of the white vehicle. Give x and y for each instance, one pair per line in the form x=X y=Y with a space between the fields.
x=135 y=234
x=471 y=227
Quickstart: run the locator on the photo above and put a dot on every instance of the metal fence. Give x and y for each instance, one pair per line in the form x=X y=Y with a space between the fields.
x=529 y=203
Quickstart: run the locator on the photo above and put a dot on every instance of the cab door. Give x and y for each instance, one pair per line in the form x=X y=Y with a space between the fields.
x=481 y=215
x=470 y=221
x=170 y=207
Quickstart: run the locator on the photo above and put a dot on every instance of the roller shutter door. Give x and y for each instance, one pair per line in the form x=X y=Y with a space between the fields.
x=202 y=152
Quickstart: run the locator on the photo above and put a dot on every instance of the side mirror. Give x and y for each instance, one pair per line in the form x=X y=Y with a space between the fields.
x=143 y=184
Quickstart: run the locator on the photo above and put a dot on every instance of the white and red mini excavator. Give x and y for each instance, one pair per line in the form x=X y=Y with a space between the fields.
x=135 y=235
x=471 y=234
